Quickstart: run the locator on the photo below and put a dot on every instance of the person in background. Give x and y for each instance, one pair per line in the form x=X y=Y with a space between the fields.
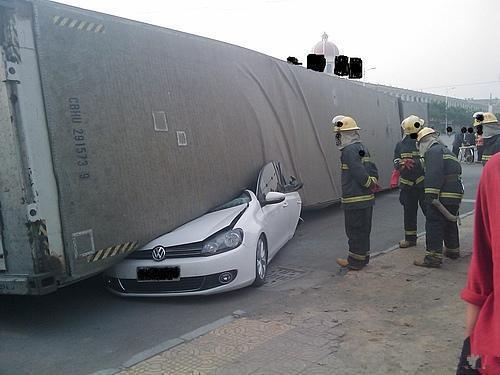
x=470 y=139
x=458 y=141
x=482 y=343
x=448 y=138
x=479 y=146
x=359 y=183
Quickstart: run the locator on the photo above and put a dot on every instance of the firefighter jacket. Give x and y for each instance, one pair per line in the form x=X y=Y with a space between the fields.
x=491 y=147
x=413 y=177
x=359 y=173
x=442 y=176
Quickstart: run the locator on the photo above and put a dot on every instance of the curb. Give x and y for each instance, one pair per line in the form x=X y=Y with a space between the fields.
x=169 y=344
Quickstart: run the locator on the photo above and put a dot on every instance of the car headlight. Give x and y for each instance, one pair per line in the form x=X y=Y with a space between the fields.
x=223 y=242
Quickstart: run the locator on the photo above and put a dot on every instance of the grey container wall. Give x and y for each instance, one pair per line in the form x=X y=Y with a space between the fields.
x=238 y=109
x=415 y=108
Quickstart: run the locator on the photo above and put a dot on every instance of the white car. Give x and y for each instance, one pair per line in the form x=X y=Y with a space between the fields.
x=225 y=249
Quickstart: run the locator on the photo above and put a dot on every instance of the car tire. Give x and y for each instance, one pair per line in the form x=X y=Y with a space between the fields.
x=260 y=262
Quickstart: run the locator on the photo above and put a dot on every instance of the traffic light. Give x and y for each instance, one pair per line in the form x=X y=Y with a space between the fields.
x=355 y=68
x=341 y=65
x=344 y=66
x=316 y=62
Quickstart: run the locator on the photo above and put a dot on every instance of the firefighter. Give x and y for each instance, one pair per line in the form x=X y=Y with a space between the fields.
x=409 y=165
x=443 y=191
x=487 y=125
x=359 y=183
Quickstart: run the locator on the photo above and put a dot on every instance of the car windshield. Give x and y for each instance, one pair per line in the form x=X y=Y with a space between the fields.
x=244 y=198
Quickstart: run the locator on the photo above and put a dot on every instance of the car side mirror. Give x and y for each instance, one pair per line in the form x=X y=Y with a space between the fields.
x=293 y=185
x=274 y=197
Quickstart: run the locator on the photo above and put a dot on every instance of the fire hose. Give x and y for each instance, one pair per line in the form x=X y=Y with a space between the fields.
x=447 y=214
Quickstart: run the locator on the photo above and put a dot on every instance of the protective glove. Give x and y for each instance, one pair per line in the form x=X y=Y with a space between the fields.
x=374 y=186
x=395 y=178
x=407 y=163
x=397 y=164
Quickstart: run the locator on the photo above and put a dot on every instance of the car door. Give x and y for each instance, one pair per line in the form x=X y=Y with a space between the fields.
x=293 y=200
x=275 y=216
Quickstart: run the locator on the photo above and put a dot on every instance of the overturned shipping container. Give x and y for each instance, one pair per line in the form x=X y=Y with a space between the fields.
x=113 y=132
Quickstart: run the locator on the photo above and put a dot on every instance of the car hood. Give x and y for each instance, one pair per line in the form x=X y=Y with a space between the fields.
x=198 y=229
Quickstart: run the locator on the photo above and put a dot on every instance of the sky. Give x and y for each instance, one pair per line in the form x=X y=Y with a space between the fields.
x=440 y=46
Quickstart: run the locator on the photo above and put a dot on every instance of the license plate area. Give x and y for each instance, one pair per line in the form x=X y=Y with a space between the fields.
x=158 y=273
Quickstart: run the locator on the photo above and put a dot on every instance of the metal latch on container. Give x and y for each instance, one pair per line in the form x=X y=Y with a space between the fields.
x=12 y=74
x=33 y=214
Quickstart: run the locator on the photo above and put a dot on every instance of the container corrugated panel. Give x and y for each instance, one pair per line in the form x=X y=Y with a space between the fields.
x=128 y=176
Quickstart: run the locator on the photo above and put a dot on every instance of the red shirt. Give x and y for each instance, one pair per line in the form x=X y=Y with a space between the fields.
x=483 y=281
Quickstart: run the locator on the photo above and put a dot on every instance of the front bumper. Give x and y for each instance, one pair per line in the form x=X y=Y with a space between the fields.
x=199 y=275
x=200 y=285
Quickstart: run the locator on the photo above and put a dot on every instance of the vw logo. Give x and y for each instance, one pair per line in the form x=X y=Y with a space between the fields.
x=159 y=253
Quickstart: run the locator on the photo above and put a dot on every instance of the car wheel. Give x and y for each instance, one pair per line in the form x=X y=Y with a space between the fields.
x=260 y=262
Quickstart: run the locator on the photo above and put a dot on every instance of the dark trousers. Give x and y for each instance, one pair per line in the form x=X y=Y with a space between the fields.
x=410 y=199
x=455 y=150
x=439 y=229
x=358 y=226
x=480 y=152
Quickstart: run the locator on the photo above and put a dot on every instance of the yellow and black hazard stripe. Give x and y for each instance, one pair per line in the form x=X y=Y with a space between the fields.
x=43 y=236
x=112 y=251
x=78 y=25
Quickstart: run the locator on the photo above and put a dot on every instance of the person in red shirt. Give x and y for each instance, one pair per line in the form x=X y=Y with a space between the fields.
x=482 y=292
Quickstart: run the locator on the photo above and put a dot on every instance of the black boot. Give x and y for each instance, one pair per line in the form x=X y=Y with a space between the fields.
x=431 y=260
x=452 y=253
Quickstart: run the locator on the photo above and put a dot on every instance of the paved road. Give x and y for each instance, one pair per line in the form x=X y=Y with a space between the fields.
x=82 y=328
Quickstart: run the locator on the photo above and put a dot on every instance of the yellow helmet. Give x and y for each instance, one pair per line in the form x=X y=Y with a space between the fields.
x=424 y=132
x=342 y=123
x=481 y=118
x=412 y=124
